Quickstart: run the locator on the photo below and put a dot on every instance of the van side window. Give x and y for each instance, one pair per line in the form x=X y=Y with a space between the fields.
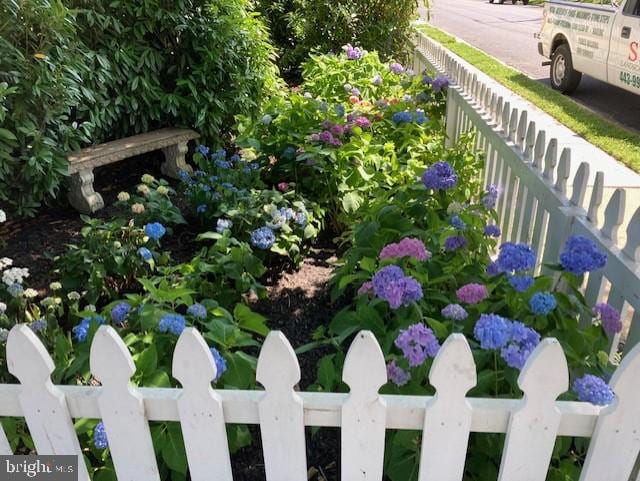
x=633 y=8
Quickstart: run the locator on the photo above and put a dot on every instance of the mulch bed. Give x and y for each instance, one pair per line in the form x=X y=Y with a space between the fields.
x=297 y=302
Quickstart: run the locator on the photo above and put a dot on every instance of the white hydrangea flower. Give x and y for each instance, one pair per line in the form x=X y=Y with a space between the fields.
x=3 y=216
x=30 y=293
x=3 y=308
x=4 y=333
x=5 y=262
x=454 y=208
x=162 y=190
x=137 y=208
x=73 y=296
x=90 y=307
x=15 y=275
x=148 y=179
x=55 y=286
x=123 y=196
x=144 y=189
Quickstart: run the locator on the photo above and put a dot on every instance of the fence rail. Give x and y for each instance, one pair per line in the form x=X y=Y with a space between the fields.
x=531 y=424
x=541 y=203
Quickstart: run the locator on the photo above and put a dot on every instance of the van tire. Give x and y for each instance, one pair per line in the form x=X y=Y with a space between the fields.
x=562 y=75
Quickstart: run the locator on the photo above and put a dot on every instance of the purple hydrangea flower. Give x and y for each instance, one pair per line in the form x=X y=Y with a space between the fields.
x=542 y=303
x=417 y=343
x=493 y=269
x=491 y=197
x=492 y=331
x=397 y=375
x=390 y=284
x=472 y=293
x=365 y=288
x=100 y=436
x=396 y=68
x=523 y=340
x=440 y=83
x=492 y=230
x=440 y=176
x=581 y=255
x=454 y=242
x=593 y=389
x=454 y=312
x=376 y=80
x=353 y=53
x=610 y=317
x=407 y=247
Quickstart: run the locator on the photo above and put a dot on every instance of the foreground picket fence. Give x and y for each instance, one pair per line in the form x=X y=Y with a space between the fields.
x=533 y=176
x=531 y=424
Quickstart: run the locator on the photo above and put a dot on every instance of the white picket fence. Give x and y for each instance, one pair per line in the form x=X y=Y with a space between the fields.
x=533 y=176
x=531 y=424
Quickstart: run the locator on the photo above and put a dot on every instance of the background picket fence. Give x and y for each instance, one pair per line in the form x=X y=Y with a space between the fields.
x=531 y=424
x=539 y=204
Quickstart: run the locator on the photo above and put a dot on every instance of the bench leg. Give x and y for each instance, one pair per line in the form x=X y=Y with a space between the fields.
x=81 y=193
x=175 y=160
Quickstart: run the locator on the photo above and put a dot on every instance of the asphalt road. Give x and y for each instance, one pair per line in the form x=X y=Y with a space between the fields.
x=506 y=32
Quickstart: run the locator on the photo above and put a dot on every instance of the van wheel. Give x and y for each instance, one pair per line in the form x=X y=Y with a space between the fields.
x=525 y=2
x=563 y=77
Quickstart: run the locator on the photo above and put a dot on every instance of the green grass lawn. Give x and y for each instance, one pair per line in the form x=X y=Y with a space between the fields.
x=613 y=139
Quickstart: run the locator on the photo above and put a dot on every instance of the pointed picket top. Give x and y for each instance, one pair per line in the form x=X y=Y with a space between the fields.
x=498 y=110
x=551 y=160
x=580 y=185
x=495 y=101
x=539 y=150
x=632 y=247
x=43 y=404
x=596 y=198
x=27 y=358
x=523 y=125
x=513 y=125
x=447 y=421
x=364 y=412
x=614 y=214
x=281 y=411
x=615 y=442
x=277 y=363
x=533 y=427
x=110 y=360
x=453 y=372
x=564 y=169
x=506 y=113
x=200 y=409
x=193 y=364
x=530 y=141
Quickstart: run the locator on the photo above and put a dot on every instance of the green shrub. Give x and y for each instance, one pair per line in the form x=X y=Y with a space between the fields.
x=301 y=26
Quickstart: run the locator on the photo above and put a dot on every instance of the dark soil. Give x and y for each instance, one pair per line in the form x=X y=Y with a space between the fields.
x=297 y=303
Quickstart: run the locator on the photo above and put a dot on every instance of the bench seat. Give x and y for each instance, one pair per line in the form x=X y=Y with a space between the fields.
x=172 y=142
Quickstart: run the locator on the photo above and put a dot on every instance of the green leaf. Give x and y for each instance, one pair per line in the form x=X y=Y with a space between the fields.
x=351 y=202
x=250 y=320
x=173 y=452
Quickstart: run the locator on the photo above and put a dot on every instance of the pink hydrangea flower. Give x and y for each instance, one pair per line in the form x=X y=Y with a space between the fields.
x=283 y=186
x=407 y=247
x=363 y=122
x=472 y=293
x=365 y=288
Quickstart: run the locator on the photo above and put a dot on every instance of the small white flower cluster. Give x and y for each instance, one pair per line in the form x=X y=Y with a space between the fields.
x=3 y=217
x=5 y=262
x=3 y=308
x=15 y=275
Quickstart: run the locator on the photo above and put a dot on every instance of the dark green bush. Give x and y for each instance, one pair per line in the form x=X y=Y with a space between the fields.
x=85 y=71
x=300 y=26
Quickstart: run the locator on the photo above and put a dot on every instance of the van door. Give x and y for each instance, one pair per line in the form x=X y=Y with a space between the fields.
x=624 y=57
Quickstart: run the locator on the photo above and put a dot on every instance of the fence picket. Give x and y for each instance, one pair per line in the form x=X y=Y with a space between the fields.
x=122 y=409
x=281 y=411
x=364 y=412
x=632 y=247
x=550 y=160
x=539 y=150
x=596 y=199
x=564 y=169
x=534 y=425
x=615 y=443
x=580 y=185
x=200 y=410
x=43 y=404
x=614 y=215
x=530 y=142
x=513 y=126
x=521 y=134
x=447 y=420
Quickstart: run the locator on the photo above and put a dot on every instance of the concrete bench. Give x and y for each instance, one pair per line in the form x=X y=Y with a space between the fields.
x=172 y=142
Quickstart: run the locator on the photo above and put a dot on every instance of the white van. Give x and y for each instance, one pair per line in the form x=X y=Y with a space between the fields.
x=600 y=41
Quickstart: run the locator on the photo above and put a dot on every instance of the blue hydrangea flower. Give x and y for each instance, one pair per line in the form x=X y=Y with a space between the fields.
x=100 y=436
x=202 y=149
x=155 y=231
x=197 y=310
x=426 y=80
x=220 y=154
x=440 y=176
x=15 y=289
x=267 y=119
x=397 y=375
x=493 y=269
x=38 y=325
x=593 y=389
x=120 y=312
x=492 y=331
x=221 y=364
x=201 y=209
x=340 y=110
x=417 y=343
x=454 y=242
x=172 y=323
x=286 y=212
x=421 y=118
x=492 y=230
x=222 y=164
x=522 y=341
x=223 y=224
x=542 y=303
x=263 y=238
x=234 y=158
x=402 y=118
x=491 y=197
x=145 y=253
x=521 y=283
x=458 y=223
x=81 y=330
x=581 y=255
x=454 y=312
x=515 y=257
x=300 y=218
